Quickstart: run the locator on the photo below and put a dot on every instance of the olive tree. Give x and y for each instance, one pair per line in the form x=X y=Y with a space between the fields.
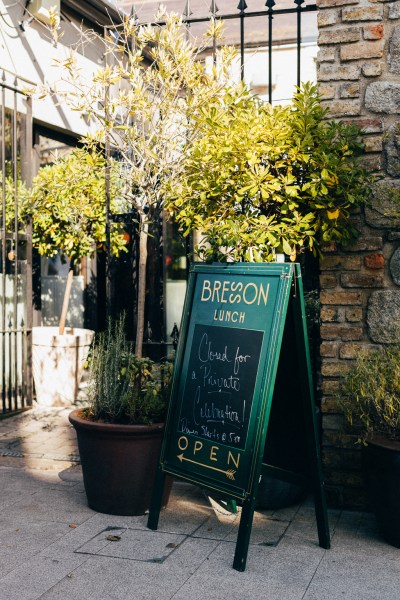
x=142 y=103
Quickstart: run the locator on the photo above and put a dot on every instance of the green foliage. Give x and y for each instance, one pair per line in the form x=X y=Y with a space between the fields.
x=124 y=388
x=264 y=179
x=151 y=84
x=370 y=393
x=14 y=196
x=140 y=103
x=67 y=206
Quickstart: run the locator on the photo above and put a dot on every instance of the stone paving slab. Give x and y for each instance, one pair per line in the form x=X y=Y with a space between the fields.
x=54 y=547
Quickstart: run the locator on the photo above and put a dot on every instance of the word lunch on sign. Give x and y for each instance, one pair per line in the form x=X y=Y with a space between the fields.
x=222 y=372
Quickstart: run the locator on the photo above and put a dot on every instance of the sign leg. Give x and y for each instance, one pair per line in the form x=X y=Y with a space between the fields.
x=321 y=511
x=152 y=521
x=243 y=538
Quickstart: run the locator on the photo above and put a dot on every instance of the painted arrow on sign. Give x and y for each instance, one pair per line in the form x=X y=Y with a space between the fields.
x=230 y=473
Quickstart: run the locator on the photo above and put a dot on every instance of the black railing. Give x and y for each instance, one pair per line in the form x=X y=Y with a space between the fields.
x=244 y=14
x=15 y=249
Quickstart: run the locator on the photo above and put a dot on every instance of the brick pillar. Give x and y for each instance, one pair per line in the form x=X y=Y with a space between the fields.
x=358 y=73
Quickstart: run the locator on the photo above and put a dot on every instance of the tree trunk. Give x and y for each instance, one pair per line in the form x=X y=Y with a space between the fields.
x=141 y=294
x=67 y=295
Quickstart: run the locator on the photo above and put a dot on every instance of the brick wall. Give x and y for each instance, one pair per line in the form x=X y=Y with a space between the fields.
x=358 y=73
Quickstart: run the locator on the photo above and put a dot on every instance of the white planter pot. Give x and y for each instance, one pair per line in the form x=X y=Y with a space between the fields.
x=58 y=363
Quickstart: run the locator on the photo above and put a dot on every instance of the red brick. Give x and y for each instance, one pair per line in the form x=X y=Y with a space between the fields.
x=374 y=261
x=367 y=125
x=341 y=298
x=352 y=351
x=361 y=280
x=329 y=405
x=362 y=13
x=328 y=280
x=342 y=108
x=373 y=49
x=330 y=386
x=335 y=369
x=330 y=314
x=373 y=32
x=339 y=36
x=340 y=263
x=365 y=244
x=335 y=331
x=328 y=349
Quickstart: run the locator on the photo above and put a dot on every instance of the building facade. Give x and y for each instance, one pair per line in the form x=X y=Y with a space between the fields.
x=358 y=74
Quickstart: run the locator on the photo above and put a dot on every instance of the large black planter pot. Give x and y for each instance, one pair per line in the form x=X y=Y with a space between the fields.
x=381 y=466
x=119 y=464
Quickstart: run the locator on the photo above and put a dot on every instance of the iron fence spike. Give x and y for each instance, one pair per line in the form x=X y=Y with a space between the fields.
x=187 y=10
x=214 y=8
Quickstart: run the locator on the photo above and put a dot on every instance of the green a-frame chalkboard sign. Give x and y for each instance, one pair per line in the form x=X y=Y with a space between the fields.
x=242 y=392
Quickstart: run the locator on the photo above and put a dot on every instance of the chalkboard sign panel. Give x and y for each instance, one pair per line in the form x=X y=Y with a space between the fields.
x=217 y=430
x=226 y=361
x=220 y=383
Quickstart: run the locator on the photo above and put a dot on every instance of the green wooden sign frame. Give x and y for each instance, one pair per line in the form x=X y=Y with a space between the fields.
x=243 y=325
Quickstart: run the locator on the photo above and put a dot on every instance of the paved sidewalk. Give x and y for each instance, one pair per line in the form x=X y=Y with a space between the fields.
x=56 y=548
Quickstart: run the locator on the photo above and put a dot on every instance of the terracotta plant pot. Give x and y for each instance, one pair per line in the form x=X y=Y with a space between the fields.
x=119 y=464
x=58 y=362
x=381 y=466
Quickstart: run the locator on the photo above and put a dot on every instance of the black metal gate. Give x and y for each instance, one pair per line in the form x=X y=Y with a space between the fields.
x=15 y=248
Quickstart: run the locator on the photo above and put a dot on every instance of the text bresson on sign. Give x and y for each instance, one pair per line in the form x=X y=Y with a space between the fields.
x=234 y=292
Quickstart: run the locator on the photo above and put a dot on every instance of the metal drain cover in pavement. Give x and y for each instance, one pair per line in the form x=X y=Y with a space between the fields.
x=132 y=544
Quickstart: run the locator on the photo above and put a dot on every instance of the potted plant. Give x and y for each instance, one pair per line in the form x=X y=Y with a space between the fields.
x=120 y=432
x=370 y=400
x=66 y=208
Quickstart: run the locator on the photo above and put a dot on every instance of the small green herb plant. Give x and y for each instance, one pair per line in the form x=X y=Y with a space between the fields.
x=123 y=388
x=370 y=394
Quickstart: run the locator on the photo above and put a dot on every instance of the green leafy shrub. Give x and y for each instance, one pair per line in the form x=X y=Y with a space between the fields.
x=66 y=205
x=264 y=179
x=122 y=387
x=21 y=193
x=370 y=394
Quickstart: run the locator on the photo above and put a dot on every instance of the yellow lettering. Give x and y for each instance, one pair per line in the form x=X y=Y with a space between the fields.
x=227 y=315
x=216 y=288
x=215 y=315
x=197 y=446
x=225 y=287
x=264 y=294
x=183 y=443
x=241 y=317
x=212 y=452
x=253 y=285
x=235 y=462
x=206 y=288
x=235 y=315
